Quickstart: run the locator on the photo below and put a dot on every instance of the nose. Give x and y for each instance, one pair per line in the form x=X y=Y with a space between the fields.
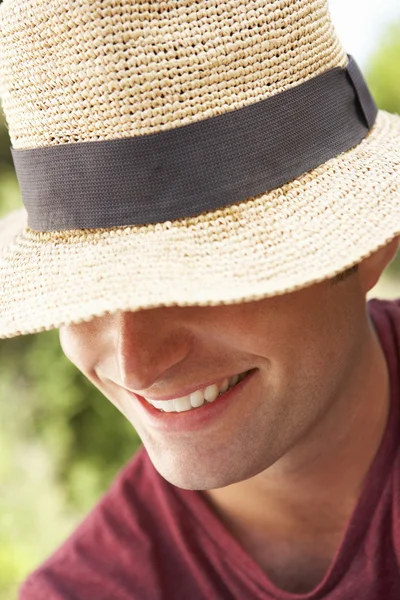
x=150 y=342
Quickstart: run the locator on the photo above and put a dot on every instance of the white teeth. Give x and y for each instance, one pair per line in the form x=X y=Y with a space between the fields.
x=197 y=399
x=233 y=380
x=182 y=404
x=167 y=406
x=224 y=386
x=211 y=393
x=159 y=404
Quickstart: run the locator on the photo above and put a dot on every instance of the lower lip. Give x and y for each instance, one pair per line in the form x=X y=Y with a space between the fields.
x=191 y=420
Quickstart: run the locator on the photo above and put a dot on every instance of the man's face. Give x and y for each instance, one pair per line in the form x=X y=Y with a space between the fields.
x=299 y=351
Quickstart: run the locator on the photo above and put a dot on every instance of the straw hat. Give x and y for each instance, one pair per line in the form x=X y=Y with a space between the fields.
x=184 y=153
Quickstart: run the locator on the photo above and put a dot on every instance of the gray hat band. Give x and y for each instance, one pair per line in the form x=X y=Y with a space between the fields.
x=198 y=167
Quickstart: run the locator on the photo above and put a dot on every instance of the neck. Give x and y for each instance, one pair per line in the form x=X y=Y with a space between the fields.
x=315 y=486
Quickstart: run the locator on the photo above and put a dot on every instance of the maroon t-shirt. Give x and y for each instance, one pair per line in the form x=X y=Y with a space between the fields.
x=149 y=540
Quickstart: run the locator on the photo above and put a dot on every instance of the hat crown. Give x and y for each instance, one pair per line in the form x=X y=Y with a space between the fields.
x=92 y=70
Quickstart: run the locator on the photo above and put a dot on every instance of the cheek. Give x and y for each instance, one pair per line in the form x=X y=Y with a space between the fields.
x=316 y=363
x=305 y=352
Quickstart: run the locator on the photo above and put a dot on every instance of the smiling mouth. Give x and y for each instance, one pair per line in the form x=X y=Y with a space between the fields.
x=198 y=398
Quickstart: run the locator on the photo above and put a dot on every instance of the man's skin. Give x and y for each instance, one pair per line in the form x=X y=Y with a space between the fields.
x=284 y=464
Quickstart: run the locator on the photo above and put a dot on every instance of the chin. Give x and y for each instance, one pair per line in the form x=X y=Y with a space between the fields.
x=195 y=482
x=195 y=476
x=188 y=479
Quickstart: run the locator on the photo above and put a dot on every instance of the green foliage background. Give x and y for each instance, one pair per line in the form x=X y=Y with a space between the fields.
x=61 y=441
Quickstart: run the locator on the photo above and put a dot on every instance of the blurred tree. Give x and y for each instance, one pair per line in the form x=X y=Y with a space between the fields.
x=383 y=73
x=9 y=191
x=6 y=163
x=83 y=433
x=383 y=76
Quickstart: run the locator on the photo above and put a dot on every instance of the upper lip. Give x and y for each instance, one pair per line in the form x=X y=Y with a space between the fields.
x=185 y=392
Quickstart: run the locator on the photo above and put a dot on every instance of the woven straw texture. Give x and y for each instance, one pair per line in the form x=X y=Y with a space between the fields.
x=80 y=71
x=105 y=69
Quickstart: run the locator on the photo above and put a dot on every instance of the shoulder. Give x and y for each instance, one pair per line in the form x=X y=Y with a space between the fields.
x=106 y=555
x=385 y=313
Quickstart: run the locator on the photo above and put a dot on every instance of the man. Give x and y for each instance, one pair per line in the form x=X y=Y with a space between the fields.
x=211 y=193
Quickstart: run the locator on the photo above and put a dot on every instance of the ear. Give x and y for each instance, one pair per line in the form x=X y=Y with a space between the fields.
x=371 y=268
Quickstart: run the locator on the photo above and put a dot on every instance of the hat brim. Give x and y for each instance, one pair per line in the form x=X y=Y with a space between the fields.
x=305 y=232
